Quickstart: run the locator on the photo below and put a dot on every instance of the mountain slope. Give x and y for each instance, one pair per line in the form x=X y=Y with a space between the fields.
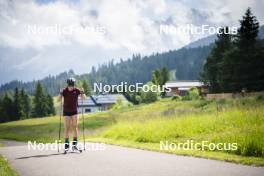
x=210 y=39
x=202 y=42
x=186 y=62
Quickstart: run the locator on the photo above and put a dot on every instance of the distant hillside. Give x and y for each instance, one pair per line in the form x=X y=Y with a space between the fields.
x=51 y=83
x=210 y=39
x=202 y=42
x=186 y=62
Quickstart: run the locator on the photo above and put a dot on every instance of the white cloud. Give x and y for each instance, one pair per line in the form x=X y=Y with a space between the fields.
x=131 y=27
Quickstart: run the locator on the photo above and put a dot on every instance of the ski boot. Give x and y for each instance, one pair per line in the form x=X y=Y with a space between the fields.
x=66 y=148
x=75 y=148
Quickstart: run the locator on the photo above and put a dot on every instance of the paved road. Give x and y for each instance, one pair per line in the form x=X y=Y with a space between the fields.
x=116 y=161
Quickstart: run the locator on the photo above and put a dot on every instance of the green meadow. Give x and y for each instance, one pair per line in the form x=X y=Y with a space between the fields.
x=238 y=121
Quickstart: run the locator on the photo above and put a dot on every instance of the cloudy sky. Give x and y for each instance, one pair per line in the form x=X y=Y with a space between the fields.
x=43 y=37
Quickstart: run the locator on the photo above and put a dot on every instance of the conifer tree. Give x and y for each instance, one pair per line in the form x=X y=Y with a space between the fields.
x=50 y=104
x=212 y=71
x=243 y=64
x=17 y=105
x=7 y=109
x=40 y=102
x=26 y=104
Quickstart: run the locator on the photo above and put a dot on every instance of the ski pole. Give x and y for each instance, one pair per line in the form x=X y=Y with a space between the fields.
x=60 y=123
x=83 y=126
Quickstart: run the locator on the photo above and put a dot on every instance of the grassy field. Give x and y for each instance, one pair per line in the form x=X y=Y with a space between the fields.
x=238 y=121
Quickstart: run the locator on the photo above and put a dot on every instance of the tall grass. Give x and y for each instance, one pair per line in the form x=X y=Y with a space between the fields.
x=238 y=121
x=47 y=129
x=227 y=121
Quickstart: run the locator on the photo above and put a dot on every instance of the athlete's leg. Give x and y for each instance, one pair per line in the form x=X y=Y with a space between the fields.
x=66 y=126
x=75 y=129
x=75 y=125
x=66 y=131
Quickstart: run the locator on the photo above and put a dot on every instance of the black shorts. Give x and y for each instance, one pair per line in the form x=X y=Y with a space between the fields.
x=70 y=113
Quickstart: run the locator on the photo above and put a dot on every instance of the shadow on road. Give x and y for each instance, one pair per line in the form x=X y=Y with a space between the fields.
x=43 y=156
x=40 y=156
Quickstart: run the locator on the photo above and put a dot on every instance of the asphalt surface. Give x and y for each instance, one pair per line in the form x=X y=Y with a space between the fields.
x=111 y=160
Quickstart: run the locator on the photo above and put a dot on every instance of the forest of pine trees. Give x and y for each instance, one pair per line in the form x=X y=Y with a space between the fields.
x=236 y=62
x=187 y=62
x=19 y=105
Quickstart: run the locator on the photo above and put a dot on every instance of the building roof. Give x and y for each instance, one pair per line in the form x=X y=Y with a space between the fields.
x=184 y=84
x=87 y=102
x=101 y=99
x=108 y=98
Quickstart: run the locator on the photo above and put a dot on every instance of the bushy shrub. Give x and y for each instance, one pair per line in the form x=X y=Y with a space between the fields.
x=150 y=96
x=192 y=94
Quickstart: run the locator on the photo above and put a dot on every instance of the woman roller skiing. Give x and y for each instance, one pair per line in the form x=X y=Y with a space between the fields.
x=70 y=96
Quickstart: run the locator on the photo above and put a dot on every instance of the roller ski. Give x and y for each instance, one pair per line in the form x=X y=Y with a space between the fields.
x=75 y=148
x=66 y=148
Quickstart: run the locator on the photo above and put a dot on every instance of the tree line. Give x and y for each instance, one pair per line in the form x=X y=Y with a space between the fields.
x=236 y=62
x=19 y=105
x=186 y=63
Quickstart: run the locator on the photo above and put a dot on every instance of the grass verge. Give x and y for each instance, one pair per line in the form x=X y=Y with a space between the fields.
x=227 y=157
x=238 y=121
x=5 y=169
